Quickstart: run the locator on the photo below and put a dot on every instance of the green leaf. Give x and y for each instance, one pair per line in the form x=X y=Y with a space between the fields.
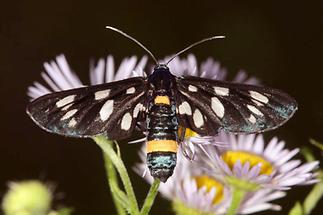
x=62 y=211
x=307 y=153
x=314 y=196
x=120 y=197
x=317 y=144
x=296 y=210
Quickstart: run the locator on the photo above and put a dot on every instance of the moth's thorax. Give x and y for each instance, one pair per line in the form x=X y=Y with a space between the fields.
x=161 y=78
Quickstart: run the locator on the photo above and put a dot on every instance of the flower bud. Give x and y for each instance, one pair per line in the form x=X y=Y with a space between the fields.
x=27 y=198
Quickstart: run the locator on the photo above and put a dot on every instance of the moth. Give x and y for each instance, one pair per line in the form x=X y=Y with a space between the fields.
x=159 y=105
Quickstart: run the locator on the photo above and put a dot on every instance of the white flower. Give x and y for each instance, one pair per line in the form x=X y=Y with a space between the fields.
x=248 y=159
x=210 y=69
x=195 y=189
x=260 y=201
x=59 y=76
x=183 y=187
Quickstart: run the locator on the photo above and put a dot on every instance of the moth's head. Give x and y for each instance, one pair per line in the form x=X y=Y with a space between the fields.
x=161 y=77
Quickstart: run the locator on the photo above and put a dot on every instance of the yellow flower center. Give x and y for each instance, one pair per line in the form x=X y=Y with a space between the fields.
x=209 y=183
x=188 y=132
x=231 y=157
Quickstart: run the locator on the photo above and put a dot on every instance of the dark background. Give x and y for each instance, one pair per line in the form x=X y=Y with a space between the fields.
x=279 y=42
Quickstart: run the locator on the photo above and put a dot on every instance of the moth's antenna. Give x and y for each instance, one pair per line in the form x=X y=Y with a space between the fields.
x=133 y=39
x=192 y=45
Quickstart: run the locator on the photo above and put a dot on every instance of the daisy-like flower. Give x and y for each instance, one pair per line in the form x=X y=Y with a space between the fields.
x=188 y=186
x=59 y=76
x=210 y=69
x=194 y=191
x=247 y=160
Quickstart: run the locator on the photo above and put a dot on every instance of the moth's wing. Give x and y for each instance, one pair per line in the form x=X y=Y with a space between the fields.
x=112 y=109
x=237 y=108
x=190 y=114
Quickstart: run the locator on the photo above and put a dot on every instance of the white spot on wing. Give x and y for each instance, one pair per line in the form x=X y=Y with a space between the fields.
x=65 y=101
x=69 y=114
x=126 y=121
x=131 y=90
x=106 y=110
x=137 y=109
x=192 y=88
x=101 y=94
x=185 y=108
x=72 y=122
x=198 y=118
x=221 y=91
x=252 y=119
x=217 y=107
x=254 y=110
x=259 y=97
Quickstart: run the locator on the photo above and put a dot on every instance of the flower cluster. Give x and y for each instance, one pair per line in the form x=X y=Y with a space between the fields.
x=218 y=166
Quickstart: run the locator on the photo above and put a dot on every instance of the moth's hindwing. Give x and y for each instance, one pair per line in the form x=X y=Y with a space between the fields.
x=207 y=106
x=112 y=108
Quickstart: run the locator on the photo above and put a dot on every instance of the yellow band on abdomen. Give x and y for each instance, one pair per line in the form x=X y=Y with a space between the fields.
x=162 y=146
x=162 y=100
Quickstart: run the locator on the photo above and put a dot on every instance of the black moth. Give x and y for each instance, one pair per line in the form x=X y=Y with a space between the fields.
x=159 y=105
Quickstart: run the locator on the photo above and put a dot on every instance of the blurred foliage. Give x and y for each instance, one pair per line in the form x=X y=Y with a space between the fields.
x=317 y=144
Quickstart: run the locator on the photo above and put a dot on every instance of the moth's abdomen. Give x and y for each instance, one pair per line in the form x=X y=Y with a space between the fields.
x=161 y=164
x=162 y=126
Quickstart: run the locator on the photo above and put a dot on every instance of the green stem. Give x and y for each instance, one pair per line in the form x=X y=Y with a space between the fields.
x=113 y=181
x=237 y=198
x=106 y=146
x=150 y=198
